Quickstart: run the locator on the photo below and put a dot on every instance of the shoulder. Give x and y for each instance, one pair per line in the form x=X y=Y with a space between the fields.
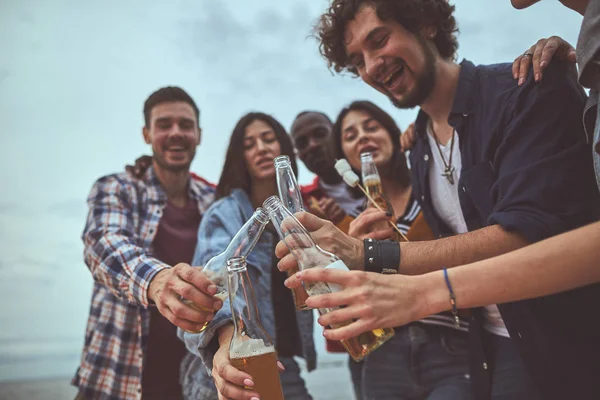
x=558 y=80
x=224 y=208
x=200 y=181
x=120 y=183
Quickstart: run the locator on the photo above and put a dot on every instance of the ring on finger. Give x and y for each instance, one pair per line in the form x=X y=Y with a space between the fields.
x=528 y=54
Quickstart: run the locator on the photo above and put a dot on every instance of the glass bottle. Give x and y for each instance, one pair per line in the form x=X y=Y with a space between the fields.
x=240 y=245
x=251 y=349
x=290 y=195
x=372 y=183
x=310 y=255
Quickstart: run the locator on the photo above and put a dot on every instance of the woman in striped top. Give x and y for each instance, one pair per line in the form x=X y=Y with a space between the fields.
x=425 y=359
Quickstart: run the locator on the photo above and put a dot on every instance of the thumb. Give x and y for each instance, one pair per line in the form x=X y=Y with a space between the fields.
x=571 y=56
x=310 y=221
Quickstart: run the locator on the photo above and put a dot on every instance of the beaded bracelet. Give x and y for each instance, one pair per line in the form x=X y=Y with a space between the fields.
x=452 y=300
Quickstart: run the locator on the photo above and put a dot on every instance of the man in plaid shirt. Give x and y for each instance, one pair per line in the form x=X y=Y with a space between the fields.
x=139 y=240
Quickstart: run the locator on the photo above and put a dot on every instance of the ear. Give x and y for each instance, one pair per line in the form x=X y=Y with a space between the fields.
x=429 y=32
x=146 y=134
x=199 y=136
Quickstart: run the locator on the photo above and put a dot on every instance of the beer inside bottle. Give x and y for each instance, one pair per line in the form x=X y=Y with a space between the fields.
x=290 y=195
x=309 y=255
x=241 y=245
x=251 y=349
x=372 y=183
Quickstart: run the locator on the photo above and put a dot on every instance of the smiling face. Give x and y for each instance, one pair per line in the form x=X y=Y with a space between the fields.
x=312 y=138
x=389 y=58
x=174 y=134
x=260 y=148
x=362 y=133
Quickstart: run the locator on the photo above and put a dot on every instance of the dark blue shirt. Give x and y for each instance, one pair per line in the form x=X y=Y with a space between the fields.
x=526 y=166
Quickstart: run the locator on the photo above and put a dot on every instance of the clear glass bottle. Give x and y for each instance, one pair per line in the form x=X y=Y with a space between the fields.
x=310 y=255
x=290 y=195
x=251 y=349
x=372 y=183
x=240 y=245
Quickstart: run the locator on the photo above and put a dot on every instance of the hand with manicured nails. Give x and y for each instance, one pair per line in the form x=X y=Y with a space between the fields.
x=231 y=383
x=170 y=284
x=329 y=238
x=540 y=55
x=361 y=227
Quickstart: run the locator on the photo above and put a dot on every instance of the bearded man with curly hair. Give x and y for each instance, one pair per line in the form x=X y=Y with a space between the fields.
x=496 y=166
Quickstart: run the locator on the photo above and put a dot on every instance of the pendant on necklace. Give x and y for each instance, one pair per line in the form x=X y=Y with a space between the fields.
x=449 y=174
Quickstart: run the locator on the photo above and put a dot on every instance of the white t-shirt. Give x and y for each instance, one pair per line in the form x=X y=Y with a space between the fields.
x=444 y=197
x=340 y=193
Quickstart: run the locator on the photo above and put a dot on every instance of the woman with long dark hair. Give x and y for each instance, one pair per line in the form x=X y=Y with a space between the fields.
x=427 y=358
x=247 y=179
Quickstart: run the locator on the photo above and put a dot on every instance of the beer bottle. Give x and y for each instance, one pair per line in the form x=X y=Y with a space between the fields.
x=251 y=349
x=241 y=245
x=290 y=195
x=310 y=255
x=372 y=184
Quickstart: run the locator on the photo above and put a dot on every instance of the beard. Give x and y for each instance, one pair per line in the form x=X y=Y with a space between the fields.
x=424 y=84
x=167 y=166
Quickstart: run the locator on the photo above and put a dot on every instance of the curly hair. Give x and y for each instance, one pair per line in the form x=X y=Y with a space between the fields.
x=411 y=14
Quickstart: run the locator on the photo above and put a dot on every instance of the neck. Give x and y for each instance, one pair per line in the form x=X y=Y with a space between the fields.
x=261 y=190
x=576 y=5
x=330 y=177
x=174 y=183
x=390 y=186
x=439 y=103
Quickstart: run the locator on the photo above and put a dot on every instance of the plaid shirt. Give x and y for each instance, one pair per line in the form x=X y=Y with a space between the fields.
x=122 y=222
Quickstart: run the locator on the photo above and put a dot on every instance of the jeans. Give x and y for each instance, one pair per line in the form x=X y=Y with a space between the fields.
x=510 y=379
x=423 y=362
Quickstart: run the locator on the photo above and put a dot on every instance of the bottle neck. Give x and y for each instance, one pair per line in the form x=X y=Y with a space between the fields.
x=298 y=240
x=288 y=188
x=244 y=309
x=246 y=238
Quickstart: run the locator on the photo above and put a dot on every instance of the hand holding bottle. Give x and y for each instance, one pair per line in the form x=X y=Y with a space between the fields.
x=368 y=225
x=329 y=238
x=372 y=300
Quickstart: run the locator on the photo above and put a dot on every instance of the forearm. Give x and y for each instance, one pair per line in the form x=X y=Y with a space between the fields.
x=122 y=267
x=427 y=256
x=561 y=263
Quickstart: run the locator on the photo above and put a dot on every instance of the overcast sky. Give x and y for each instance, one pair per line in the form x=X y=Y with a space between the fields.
x=73 y=79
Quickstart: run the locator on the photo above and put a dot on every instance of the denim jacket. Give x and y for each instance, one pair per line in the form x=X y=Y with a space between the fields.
x=219 y=224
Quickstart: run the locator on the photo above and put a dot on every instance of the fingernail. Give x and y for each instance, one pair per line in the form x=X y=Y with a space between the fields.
x=537 y=77
x=388 y=214
x=514 y=76
x=543 y=64
x=254 y=398
x=212 y=289
x=298 y=275
x=521 y=81
x=278 y=267
x=280 y=365
x=248 y=382
x=286 y=283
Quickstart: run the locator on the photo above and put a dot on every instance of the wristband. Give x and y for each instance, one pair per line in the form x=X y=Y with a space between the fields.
x=381 y=256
